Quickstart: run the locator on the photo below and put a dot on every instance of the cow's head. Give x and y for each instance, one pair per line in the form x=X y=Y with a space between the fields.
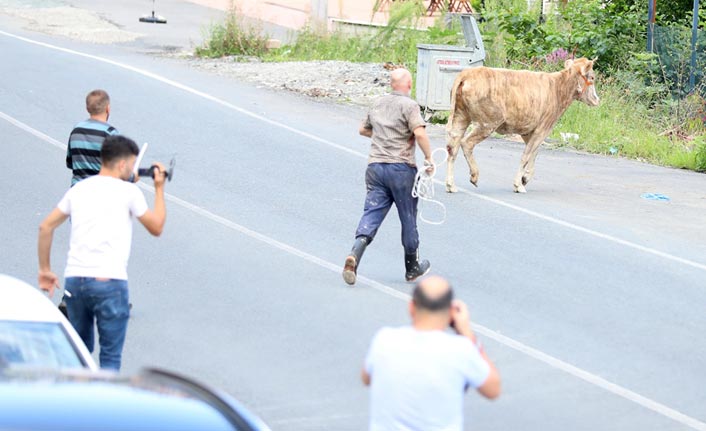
x=582 y=69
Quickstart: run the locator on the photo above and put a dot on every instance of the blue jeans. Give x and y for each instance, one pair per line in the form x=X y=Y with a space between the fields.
x=389 y=183
x=106 y=303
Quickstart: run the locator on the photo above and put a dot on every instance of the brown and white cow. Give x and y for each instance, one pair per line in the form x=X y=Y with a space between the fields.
x=513 y=101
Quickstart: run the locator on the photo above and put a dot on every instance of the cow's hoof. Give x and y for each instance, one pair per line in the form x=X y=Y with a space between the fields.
x=450 y=188
x=520 y=189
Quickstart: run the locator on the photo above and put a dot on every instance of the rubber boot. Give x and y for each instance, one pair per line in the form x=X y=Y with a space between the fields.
x=350 y=268
x=415 y=268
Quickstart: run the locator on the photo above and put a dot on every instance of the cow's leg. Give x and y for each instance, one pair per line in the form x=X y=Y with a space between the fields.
x=524 y=173
x=479 y=133
x=455 y=129
x=529 y=172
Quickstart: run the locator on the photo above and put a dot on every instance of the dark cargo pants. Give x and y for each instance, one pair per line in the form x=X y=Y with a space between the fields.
x=389 y=183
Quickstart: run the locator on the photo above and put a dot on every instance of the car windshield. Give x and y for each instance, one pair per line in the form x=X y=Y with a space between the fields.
x=36 y=344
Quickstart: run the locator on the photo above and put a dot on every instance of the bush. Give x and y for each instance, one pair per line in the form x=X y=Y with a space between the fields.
x=233 y=37
x=589 y=28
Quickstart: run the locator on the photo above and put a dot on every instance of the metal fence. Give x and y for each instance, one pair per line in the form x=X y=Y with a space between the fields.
x=682 y=67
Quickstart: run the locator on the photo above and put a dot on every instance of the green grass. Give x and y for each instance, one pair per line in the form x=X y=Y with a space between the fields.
x=622 y=126
x=395 y=43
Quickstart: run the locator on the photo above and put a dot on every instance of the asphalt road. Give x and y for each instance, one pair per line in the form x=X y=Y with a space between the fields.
x=589 y=298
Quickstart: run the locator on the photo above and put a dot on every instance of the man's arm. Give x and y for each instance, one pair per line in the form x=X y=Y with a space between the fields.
x=462 y=324
x=69 y=161
x=420 y=133
x=46 y=278
x=491 y=387
x=153 y=220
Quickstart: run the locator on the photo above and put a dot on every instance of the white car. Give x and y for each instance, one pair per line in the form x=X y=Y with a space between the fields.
x=34 y=333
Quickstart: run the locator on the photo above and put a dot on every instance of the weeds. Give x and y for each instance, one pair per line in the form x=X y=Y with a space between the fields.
x=625 y=125
x=233 y=37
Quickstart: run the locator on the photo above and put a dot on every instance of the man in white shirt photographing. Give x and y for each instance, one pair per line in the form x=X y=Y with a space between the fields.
x=418 y=374
x=101 y=208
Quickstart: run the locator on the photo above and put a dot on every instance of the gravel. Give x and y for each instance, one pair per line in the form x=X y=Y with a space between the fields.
x=327 y=81
x=337 y=81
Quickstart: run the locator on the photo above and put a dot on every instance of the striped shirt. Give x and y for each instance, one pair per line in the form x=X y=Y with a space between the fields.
x=83 y=154
x=393 y=118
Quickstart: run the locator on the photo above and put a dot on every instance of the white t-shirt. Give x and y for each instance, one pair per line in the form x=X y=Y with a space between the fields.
x=418 y=379
x=101 y=210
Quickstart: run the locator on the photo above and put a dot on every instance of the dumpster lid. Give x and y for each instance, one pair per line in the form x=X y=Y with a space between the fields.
x=470 y=30
x=445 y=48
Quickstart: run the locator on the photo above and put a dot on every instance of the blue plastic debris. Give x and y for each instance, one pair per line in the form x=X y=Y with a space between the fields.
x=655 y=197
x=613 y=150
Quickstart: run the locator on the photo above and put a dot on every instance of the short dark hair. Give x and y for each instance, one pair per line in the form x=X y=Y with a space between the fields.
x=97 y=101
x=422 y=301
x=117 y=147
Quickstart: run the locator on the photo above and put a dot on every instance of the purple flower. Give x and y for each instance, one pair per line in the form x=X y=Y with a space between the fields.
x=558 y=56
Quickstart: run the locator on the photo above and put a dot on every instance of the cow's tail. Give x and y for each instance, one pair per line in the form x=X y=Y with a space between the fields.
x=456 y=93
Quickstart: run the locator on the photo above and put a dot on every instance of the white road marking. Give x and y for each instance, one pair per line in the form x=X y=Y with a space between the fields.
x=553 y=362
x=340 y=147
x=32 y=131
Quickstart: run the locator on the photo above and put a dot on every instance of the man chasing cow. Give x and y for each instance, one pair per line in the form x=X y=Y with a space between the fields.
x=394 y=124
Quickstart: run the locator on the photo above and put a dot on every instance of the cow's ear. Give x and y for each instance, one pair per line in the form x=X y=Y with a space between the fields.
x=568 y=63
x=586 y=67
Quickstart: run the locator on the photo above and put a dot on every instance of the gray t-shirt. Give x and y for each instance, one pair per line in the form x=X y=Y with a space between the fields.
x=393 y=118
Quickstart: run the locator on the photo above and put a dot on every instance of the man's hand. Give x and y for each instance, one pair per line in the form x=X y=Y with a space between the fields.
x=430 y=167
x=364 y=131
x=461 y=319
x=153 y=220
x=160 y=174
x=48 y=281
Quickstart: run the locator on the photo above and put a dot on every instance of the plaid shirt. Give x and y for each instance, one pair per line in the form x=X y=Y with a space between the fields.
x=393 y=118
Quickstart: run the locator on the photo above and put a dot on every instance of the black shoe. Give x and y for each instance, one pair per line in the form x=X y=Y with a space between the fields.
x=415 y=268
x=350 y=267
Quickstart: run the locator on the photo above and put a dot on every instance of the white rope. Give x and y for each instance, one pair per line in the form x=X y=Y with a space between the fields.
x=424 y=187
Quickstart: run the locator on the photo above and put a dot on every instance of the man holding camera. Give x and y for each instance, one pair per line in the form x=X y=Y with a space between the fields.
x=101 y=209
x=418 y=374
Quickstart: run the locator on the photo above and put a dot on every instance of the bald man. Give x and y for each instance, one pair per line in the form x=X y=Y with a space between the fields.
x=394 y=123
x=418 y=374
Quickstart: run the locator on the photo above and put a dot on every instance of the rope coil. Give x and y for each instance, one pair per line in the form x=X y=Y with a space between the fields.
x=424 y=188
